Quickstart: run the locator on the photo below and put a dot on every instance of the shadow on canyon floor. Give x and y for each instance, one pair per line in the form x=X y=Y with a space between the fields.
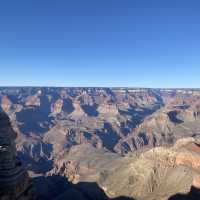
x=59 y=188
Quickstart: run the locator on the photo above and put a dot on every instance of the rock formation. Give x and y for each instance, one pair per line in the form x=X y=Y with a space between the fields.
x=157 y=173
x=57 y=107
x=108 y=109
x=14 y=180
x=6 y=104
x=33 y=100
x=78 y=111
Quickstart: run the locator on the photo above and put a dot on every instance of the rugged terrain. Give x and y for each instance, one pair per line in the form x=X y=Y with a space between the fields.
x=124 y=139
x=14 y=180
x=155 y=174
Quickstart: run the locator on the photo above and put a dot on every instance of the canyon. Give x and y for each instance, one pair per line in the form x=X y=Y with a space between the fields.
x=106 y=143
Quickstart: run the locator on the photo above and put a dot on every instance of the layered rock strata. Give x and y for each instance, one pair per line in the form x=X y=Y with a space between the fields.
x=14 y=180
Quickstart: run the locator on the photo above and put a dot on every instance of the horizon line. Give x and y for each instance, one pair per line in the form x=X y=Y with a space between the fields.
x=106 y=87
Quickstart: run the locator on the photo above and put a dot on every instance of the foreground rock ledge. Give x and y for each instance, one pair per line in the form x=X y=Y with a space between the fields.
x=14 y=180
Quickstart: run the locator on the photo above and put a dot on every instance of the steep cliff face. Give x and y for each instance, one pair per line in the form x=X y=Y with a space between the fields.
x=14 y=180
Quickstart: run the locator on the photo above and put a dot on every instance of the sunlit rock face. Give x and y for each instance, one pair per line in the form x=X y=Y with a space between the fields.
x=151 y=174
x=14 y=180
x=6 y=104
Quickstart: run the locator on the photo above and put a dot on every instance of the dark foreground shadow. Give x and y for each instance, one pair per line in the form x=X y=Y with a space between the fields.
x=194 y=194
x=59 y=188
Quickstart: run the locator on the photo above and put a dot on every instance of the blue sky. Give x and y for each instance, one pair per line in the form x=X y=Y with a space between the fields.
x=139 y=43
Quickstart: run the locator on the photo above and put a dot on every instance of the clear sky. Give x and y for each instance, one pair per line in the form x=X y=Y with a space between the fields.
x=145 y=43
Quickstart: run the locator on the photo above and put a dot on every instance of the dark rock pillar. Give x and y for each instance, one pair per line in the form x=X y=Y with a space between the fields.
x=14 y=180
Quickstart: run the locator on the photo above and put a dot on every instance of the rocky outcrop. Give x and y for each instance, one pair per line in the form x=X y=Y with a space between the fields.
x=155 y=130
x=32 y=101
x=78 y=111
x=57 y=107
x=157 y=173
x=14 y=180
x=108 y=109
x=6 y=104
